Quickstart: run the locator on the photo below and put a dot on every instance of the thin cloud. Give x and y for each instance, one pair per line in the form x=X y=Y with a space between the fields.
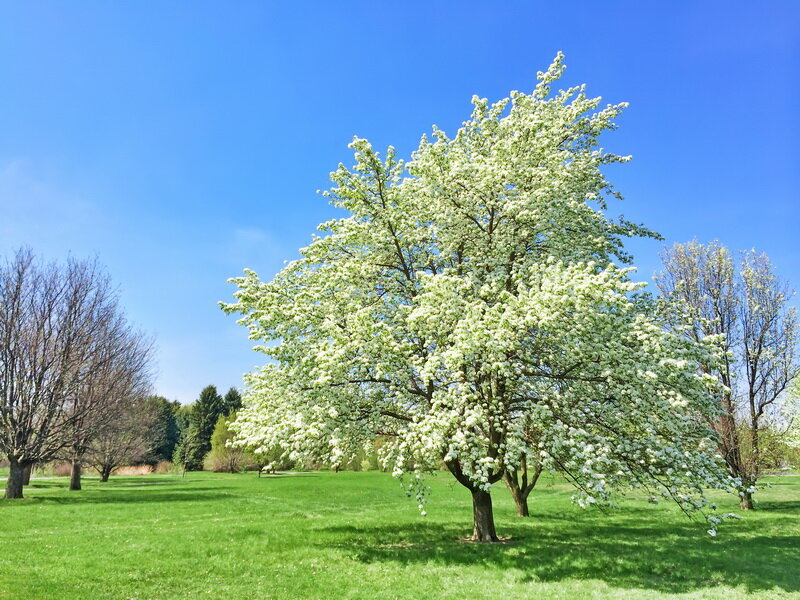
x=30 y=203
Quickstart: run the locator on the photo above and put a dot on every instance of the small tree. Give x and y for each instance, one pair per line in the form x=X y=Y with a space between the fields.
x=127 y=438
x=470 y=293
x=746 y=309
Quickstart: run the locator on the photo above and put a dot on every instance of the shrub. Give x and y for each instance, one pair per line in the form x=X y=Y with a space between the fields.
x=133 y=470
x=163 y=466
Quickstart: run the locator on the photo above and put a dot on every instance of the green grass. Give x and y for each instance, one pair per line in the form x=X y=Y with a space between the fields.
x=356 y=535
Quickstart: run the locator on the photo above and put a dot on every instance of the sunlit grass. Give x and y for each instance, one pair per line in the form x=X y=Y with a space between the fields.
x=356 y=535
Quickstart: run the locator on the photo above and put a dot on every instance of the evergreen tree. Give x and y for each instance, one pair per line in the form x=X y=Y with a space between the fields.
x=167 y=431
x=232 y=402
x=196 y=440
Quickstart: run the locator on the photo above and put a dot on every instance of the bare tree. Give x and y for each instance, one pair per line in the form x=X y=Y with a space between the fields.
x=54 y=338
x=748 y=310
x=126 y=438
x=111 y=391
x=769 y=352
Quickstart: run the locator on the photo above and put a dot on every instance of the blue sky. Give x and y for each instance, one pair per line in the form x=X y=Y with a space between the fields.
x=182 y=142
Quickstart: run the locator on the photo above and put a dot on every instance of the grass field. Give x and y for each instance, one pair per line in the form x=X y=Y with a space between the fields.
x=356 y=535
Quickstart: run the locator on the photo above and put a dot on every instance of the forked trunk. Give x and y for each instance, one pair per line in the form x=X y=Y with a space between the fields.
x=16 y=477
x=75 y=475
x=482 y=517
x=520 y=487
x=519 y=495
x=26 y=474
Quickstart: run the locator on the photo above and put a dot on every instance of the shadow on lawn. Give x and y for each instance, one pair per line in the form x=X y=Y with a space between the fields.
x=287 y=475
x=631 y=552
x=119 y=495
x=779 y=506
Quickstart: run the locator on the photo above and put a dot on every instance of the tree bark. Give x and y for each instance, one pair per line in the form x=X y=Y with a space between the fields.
x=522 y=506
x=746 y=501
x=26 y=474
x=105 y=473
x=75 y=476
x=16 y=477
x=520 y=501
x=482 y=517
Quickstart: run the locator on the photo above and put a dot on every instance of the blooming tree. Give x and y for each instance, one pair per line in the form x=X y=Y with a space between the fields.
x=469 y=312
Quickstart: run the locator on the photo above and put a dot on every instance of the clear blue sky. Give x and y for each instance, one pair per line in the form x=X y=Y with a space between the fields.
x=182 y=142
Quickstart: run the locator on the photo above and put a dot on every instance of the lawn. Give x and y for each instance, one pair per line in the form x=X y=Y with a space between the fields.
x=356 y=535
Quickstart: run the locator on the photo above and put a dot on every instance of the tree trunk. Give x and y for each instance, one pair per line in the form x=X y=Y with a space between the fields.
x=105 y=473
x=729 y=445
x=746 y=501
x=26 y=474
x=518 y=493
x=519 y=486
x=16 y=477
x=520 y=501
x=75 y=476
x=482 y=517
x=755 y=449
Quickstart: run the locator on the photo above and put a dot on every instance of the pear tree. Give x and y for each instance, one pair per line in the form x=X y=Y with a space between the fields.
x=473 y=309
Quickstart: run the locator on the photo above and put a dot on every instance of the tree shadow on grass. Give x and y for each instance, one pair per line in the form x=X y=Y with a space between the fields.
x=287 y=475
x=127 y=496
x=637 y=552
x=779 y=506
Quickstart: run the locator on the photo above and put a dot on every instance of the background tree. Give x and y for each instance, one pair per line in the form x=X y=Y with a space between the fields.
x=128 y=437
x=202 y=418
x=232 y=402
x=54 y=339
x=470 y=293
x=167 y=429
x=790 y=425
x=523 y=476
x=125 y=377
x=746 y=309
x=224 y=458
x=186 y=436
